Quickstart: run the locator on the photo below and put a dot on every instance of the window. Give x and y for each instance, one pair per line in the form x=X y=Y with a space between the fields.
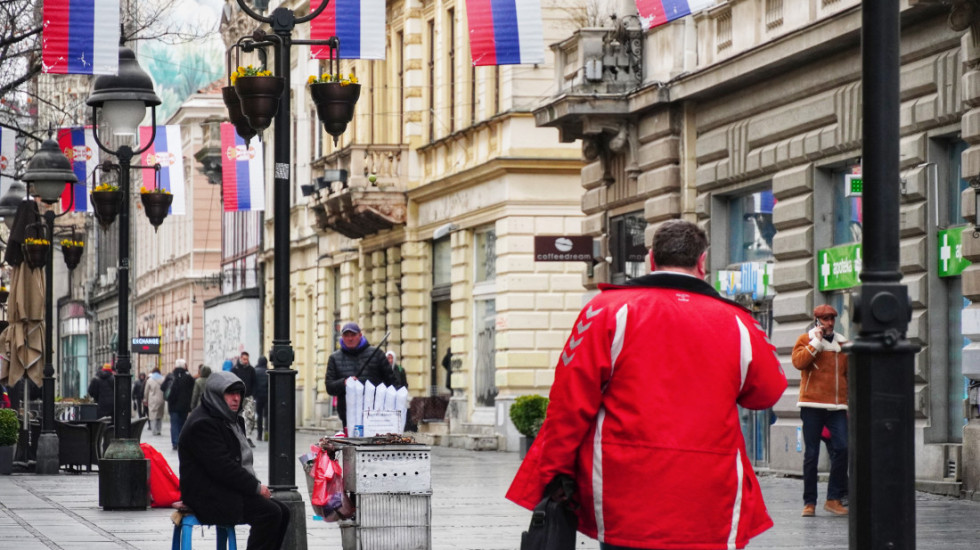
x=629 y=253
x=958 y=184
x=432 y=79
x=750 y=228
x=847 y=213
x=485 y=265
x=451 y=20
x=442 y=262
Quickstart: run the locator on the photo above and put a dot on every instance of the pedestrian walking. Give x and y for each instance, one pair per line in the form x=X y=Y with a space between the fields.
x=397 y=371
x=217 y=479
x=203 y=371
x=447 y=363
x=642 y=414
x=153 y=400
x=138 y=387
x=355 y=359
x=261 y=396
x=823 y=405
x=179 y=400
x=102 y=390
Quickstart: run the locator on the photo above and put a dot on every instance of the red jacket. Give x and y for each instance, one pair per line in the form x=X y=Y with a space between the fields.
x=643 y=416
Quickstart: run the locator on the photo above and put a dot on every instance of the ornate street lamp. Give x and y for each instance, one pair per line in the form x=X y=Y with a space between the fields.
x=16 y=192
x=48 y=171
x=122 y=100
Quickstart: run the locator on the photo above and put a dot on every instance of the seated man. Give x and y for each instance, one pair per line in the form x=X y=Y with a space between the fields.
x=217 y=480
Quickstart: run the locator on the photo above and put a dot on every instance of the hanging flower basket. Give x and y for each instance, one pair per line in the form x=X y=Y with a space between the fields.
x=107 y=205
x=335 y=105
x=36 y=252
x=156 y=204
x=238 y=120
x=72 y=251
x=259 y=97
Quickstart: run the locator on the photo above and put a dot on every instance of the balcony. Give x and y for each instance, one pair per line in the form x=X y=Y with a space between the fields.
x=373 y=197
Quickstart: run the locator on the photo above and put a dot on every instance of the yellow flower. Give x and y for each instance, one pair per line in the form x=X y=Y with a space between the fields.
x=32 y=240
x=353 y=79
x=68 y=243
x=160 y=190
x=104 y=186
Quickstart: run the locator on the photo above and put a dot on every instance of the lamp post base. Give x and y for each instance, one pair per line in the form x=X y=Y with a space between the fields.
x=296 y=533
x=47 y=454
x=124 y=477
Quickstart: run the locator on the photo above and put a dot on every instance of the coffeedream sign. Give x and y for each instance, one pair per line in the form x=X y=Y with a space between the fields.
x=562 y=248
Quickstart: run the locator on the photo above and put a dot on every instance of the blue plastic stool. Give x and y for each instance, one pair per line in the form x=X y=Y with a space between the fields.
x=184 y=534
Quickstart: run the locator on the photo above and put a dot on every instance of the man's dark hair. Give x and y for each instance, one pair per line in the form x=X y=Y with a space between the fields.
x=245 y=353
x=678 y=243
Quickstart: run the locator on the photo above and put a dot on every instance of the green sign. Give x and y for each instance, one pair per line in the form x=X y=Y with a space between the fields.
x=839 y=267
x=951 y=260
x=855 y=185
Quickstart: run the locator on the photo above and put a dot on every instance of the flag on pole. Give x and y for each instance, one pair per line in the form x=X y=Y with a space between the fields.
x=505 y=32
x=359 y=24
x=78 y=144
x=8 y=152
x=657 y=12
x=167 y=151
x=241 y=172
x=80 y=37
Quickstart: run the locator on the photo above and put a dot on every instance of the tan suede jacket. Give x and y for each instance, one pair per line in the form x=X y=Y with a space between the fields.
x=823 y=372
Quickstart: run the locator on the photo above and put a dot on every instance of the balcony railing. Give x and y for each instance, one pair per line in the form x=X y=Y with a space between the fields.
x=372 y=199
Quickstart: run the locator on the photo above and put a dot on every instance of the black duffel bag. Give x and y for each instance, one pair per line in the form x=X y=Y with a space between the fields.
x=553 y=521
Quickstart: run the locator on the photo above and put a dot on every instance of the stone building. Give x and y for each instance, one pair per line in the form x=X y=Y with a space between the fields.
x=746 y=117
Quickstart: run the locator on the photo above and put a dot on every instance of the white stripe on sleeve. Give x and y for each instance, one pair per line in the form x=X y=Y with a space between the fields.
x=745 y=350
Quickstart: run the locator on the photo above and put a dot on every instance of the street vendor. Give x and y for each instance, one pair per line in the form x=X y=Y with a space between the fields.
x=355 y=359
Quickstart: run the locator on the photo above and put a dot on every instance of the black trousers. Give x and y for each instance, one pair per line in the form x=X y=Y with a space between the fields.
x=260 y=412
x=268 y=519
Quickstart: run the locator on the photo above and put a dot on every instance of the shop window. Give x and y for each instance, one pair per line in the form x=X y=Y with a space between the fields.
x=847 y=213
x=442 y=263
x=750 y=228
x=486 y=254
x=629 y=253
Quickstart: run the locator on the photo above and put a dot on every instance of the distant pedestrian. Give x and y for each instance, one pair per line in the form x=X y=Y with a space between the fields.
x=138 y=395
x=153 y=400
x=246 y=372
x=447 y=363
x=179 y=400
x=397 y=371
x=227 y=365
x=102 y=389
x=261 y=395
x=823 y=404
x=642 y=418
x=203 y=371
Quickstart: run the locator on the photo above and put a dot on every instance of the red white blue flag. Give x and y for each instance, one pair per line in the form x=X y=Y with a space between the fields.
x=505 y=32
x=359 y=24
x=8 y=152
x=657 y=12
x=78 y=144
x=80 y=37
x=167 y=151
x=241 y=172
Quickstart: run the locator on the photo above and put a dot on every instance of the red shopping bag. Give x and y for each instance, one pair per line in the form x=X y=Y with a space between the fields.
x=164 y=484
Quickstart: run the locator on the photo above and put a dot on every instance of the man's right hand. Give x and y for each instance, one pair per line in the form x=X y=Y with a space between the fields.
x=264 y=491
x=816 y=338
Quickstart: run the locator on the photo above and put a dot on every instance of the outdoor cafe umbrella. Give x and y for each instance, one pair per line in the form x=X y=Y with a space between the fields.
x=22 y=344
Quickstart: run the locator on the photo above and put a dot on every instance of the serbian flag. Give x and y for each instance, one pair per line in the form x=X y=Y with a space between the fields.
x=241 y=172
x=78 y=144
x=8 y=152
x=80 y=37
x=167 y=151
x=505 y=32
x=657 y=12
x=359 y=24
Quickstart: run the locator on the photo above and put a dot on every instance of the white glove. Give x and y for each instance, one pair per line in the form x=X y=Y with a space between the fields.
x=816 y=339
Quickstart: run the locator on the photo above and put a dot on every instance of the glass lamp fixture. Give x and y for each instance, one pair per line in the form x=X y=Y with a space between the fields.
x=48 y=171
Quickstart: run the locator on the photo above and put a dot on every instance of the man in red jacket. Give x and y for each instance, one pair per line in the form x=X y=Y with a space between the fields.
x=643 y=409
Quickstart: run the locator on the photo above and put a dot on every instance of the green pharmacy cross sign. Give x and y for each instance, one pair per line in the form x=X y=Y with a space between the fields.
x=839 y=267
x=951 y=261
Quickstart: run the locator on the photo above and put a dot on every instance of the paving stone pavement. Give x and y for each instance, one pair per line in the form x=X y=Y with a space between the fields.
x=468 y=511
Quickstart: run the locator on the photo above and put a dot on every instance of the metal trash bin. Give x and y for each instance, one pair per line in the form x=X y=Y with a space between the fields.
x=392 y=486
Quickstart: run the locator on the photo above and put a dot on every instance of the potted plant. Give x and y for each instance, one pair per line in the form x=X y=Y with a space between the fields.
x=72 y=251
x=527 y=413
x=9 y=429
x=334 y=97
x=36 y=251
x=259 y=93
x=107 y=202
x=156 y=204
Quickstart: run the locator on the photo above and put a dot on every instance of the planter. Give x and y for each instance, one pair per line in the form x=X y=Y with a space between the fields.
x=107 y=205
x=156 y=206
x=335 y=105
x=259 y=97
x=6 y=459
x=73 y=255
x=36 y=255
x=526 y=443
x=238 y=120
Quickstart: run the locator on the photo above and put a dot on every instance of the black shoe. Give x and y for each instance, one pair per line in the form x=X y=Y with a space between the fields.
x=250 y=444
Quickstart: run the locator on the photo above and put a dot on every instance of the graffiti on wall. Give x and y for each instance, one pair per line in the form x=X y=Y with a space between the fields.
x=230 y=329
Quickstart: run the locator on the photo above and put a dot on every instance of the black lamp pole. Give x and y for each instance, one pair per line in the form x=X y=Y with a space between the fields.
x=123 y=468
x=880 y=384
x=282 y=378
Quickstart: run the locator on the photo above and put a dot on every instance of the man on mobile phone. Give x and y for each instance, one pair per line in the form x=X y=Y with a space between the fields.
x=823 y=403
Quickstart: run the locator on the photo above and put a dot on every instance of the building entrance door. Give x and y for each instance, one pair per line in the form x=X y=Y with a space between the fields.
x=755 y=424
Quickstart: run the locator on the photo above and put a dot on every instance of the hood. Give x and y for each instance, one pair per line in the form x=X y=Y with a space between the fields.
x=205 y=371
x=105 y=374
x=356 y=349
x=394 y=357
x=214 y=395
x=262 y=363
